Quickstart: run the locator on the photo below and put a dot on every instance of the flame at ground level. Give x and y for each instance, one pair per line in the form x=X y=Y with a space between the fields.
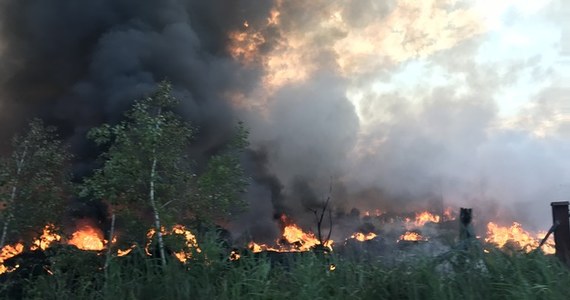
x=361 y=237
x=517 y=236
x=191 y=244
x=412 y=236
x=88 y=238
x=293 y=239
x=425 y=217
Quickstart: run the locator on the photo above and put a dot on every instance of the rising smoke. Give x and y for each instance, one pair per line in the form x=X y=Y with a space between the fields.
x=391 y=102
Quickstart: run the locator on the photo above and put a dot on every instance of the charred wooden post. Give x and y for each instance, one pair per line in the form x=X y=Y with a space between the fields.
x=466 y=231
x=560 y=216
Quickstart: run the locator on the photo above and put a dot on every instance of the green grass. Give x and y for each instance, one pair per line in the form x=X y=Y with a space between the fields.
x=495 y=275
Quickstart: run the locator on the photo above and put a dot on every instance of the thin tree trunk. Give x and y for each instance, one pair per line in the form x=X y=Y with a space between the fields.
x=156 y=214
x=153 y=200
x=110 y=242
x=10 y=208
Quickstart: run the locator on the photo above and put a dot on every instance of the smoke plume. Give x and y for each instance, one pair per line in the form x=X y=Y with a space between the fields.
x=398 y=105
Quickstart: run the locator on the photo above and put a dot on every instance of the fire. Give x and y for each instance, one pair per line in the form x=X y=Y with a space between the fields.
x=88 y=238
x=191 y=242
x=293 y=239
x=7 y=252
x=46 y=239
x=125 y=252
x=295 y=235
x=500 y=236
x=234 y=255
x=425 y=217
x=448 y=214
x=361 y=237
x=245 y=45
x=376 y=213
x=411 y=236
x=189 y=237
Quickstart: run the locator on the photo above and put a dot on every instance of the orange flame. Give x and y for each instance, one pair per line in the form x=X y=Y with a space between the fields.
x=234 y=255
x=46 y=239
x=125 y=252
x=500 y=236
x=244 y=46
x=425 y=217
x=361 y=237
x=7 y=252
x=88 y=238
x=411 y=236
x=293 y=239
x=189 y=237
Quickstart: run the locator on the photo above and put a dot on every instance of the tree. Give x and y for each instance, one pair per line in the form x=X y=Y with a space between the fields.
x=35 y=180
x=146 y=173
x=220 y=186
x=144 y=164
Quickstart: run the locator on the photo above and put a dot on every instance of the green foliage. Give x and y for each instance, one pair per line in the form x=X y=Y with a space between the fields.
x=146 y=150
x=34 y=182
x=153 y=134
x=133 y=143
x=220 y=186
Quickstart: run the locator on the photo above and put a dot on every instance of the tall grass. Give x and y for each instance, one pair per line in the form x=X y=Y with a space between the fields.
x=210 y=275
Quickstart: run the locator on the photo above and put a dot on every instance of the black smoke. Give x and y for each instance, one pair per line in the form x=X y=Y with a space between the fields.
x=78 y=64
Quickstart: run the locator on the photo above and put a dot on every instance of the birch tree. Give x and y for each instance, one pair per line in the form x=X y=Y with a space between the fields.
x=145 y=167
x=34 y=183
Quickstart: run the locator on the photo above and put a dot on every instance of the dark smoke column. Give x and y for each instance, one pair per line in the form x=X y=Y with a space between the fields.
x=80 y=63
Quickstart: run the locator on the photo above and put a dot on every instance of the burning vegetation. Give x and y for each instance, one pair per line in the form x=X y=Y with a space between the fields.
x=517 y=238
x=293 y=238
